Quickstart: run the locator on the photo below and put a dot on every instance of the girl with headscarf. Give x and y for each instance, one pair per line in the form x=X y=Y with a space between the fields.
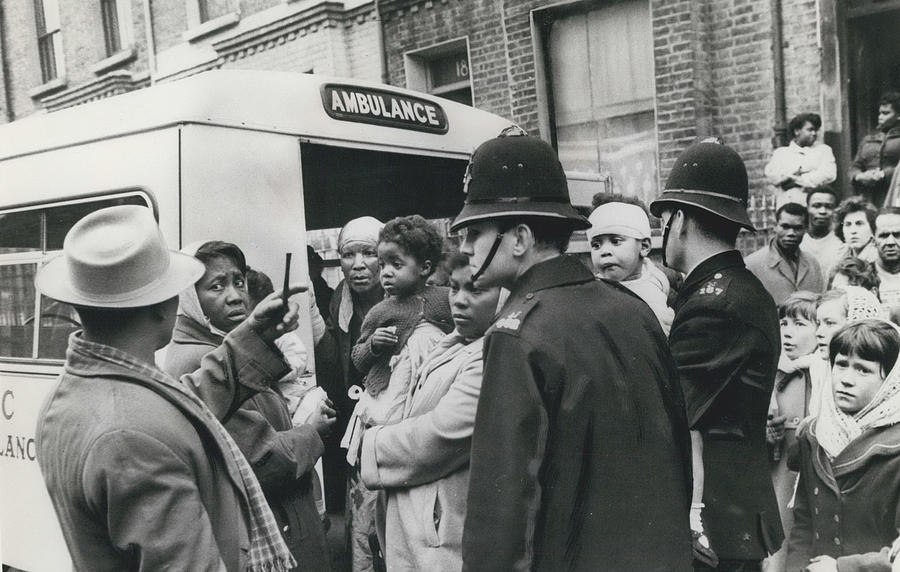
x=847 y=509
x=282 y=456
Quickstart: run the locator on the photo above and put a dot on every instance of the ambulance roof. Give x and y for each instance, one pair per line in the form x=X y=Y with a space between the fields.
x=278 y=102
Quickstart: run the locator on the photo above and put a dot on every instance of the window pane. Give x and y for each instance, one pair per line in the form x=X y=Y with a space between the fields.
x=51 y=15
x=58 y=320
x=20 y=232
x=61 y=219
x=110 y=13
x=17 y=310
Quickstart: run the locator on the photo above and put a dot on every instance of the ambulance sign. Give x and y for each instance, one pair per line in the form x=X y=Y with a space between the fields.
x=382 y=107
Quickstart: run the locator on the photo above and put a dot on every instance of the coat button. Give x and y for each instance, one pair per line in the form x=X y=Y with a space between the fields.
x=529 y=296
x=816 y=510
x=816 y=491
x=837 y=518
x=837 y=540
x=817 y=536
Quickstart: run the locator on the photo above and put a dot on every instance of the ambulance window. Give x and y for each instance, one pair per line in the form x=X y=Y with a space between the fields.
x=17 y=309
x=61 y=219
x=20 y=232
x=340 y=184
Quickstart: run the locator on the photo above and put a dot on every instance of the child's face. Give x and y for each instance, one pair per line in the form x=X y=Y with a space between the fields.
x=401 y=273
x=829 y=319
x=618 y=257
x=855 y=382
x=798 y=336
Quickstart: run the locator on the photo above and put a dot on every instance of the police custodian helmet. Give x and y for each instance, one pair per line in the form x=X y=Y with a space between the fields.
x=516 y=175
x=710 y=176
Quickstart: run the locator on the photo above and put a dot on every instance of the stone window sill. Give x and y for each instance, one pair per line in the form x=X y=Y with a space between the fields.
x=55 y=84
x=119 y=58
x=212 y=26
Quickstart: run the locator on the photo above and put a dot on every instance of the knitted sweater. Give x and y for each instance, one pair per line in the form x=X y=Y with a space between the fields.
x=432 y=304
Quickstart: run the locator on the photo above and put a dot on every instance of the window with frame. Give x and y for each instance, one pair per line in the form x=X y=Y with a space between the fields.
x=212 y=9
x=48 y=36
x=442 y=70
x=31 y=325
x=116 y=16
x=599 y=66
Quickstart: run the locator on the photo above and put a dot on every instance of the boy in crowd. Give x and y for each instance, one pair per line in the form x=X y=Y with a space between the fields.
x=620 y=249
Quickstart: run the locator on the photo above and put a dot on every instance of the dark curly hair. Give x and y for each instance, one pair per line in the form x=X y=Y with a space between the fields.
x=219 y=249
x=891 y=98
x=858 y=272
x=798 y=121
x=417 y=237
x=853 y=205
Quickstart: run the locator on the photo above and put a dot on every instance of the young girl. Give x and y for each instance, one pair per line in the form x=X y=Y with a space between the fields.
x=396 y=336
x=847 y=509
x=797 y=315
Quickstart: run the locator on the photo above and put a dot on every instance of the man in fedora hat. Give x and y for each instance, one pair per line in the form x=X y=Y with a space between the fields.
x=725 y=340
x=140 y=471
x=580 y=452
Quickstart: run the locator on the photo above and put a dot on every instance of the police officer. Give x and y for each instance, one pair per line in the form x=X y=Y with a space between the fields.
x=725 y=339
x=581 y=453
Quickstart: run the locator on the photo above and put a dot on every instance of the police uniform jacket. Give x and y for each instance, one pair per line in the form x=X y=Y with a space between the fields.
x=725 y=340
x=849 y=507
x=581 y=453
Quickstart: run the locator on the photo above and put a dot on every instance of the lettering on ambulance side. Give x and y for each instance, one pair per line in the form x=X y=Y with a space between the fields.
x=382 y=107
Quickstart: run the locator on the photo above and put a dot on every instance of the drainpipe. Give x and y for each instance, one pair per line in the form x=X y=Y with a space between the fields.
x=382 y=47
x=779 y=137
x=151 y=43
x=4 y=62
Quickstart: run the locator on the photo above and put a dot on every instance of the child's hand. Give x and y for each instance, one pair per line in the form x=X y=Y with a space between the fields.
x=384 y=338
x=822 y=564
x=323 y=418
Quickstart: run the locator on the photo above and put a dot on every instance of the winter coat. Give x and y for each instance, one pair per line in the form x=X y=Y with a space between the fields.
x=878 y=150
x=847 y=508
x=779 y=278
x=581 y=451
x=134 y=470
x=282 y=456
x=423 y=461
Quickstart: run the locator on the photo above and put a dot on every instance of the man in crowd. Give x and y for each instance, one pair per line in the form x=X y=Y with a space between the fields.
x=782 y=266
x=580 y=453
x=887 y=240
x=725 y=340
x=878 y=154
x=804 y=164
x=141 y=473
x=820 y=242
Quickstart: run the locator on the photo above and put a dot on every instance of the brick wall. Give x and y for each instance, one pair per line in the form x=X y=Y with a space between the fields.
x=23 y=66
x=802 y=63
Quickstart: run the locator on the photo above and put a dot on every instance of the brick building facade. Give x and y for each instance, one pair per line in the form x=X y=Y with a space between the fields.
x=619 y=86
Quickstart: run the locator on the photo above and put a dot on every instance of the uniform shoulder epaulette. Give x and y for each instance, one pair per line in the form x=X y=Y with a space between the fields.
x=510 y=320
x=715 y=286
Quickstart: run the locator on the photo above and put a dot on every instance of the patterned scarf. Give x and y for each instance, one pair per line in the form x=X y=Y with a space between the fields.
x=835 y=429
x=268 y=551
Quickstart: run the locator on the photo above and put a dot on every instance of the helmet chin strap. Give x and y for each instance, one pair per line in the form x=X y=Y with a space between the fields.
x=490 y=257
x=665 y=241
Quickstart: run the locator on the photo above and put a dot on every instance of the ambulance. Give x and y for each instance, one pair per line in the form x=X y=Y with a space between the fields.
x=270 y=161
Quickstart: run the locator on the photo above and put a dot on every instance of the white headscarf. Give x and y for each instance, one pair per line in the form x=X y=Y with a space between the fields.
x=836 y=429
x=364 y=230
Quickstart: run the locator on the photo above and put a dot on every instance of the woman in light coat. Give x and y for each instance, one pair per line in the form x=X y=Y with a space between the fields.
x=422 y=462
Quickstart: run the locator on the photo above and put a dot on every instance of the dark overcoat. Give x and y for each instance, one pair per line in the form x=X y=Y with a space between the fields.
x=581 y=453
x=725 y=340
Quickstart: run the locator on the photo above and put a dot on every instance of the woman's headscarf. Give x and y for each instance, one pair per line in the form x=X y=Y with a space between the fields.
x=362 y=230
x=836 y=429
x=189 y=302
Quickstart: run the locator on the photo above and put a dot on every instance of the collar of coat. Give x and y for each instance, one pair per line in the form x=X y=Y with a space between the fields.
x=558 y=271
x=713 y=264
x=871 y=445
x=189 y=331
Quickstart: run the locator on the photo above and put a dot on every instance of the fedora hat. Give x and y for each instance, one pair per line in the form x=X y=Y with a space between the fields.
x=516 y=175
x=117 y=258
x=710 y=176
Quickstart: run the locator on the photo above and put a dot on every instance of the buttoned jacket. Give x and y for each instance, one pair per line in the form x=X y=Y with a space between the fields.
x=849 y=507
x=777 y=275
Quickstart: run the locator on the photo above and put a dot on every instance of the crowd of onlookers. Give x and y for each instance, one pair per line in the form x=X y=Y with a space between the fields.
x=496 y=405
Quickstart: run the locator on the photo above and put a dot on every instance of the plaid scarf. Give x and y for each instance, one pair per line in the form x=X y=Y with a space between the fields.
x=268 y=551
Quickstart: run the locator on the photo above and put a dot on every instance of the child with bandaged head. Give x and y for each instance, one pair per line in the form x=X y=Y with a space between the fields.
x=620 y=247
